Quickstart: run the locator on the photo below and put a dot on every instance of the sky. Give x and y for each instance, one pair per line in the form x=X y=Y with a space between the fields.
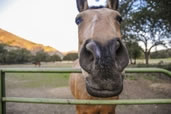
x=48 y=22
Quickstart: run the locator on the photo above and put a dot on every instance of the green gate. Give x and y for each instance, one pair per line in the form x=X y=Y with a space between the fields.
x=5 y=99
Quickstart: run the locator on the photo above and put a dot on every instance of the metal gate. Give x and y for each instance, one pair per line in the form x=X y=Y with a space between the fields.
x=5 y=99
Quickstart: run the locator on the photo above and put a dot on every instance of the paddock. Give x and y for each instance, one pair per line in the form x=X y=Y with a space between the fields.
x=32 y=95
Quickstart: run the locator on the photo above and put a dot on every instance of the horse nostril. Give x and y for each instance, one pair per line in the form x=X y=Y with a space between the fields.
x=93 y=48
x=88 y=55
x=114 y=46
x=117 y=45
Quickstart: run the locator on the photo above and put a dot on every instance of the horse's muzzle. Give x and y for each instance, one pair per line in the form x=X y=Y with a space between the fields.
x=104 y=65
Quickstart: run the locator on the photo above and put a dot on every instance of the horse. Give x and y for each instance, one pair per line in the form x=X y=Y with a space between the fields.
x=102 y=57
x=37 y=63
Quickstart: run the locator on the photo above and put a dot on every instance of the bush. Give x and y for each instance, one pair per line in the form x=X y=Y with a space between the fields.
x=54 y=58
x=3 y=53
x=161 y=54
x=134 y=51
x=21 y=55
x=71 y=56
x=40 y=56
x=18 y=56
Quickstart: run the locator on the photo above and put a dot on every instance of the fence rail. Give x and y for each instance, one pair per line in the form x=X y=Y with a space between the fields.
x=86 y=102
x=72 y=70
x=5 y=99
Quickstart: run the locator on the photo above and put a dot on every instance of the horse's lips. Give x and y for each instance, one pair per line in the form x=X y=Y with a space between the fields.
x=103 y=93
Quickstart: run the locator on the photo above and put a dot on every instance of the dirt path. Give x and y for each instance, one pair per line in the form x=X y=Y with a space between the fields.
x=13 y=108
x=142 y=87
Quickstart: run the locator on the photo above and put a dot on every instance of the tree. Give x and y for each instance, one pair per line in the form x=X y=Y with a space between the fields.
x=40 y=56
x=55 y=58
x=134 y=51
x=161 y=9
x=126 y=7
x=3 y=53
x=71 y=56
x=149 y=31
x=23 y=55
x=14 y=55
x=142 y=25
x=11 y=57
x=18 y=56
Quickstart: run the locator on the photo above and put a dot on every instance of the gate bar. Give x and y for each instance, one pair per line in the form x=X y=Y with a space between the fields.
x=2 y=92
x=73 y=70
x=86 y=102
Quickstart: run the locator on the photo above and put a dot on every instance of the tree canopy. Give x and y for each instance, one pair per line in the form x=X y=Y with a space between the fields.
x=71 y=56
x=21 y=55
x=145 y=22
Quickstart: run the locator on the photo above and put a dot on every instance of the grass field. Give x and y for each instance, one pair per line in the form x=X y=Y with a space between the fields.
x=37 y=80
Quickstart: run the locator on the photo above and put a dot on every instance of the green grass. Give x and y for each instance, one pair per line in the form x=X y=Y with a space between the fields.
x=36 y=80
x=130 y=77
x=153 y=77
x=150 y=77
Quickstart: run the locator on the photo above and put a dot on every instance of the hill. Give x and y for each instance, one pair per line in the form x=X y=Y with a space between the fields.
x=16 y=41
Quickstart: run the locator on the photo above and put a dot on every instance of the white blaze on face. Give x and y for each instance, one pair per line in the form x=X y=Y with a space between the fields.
x=89 y=31
x=96 y=3
x=93 y=25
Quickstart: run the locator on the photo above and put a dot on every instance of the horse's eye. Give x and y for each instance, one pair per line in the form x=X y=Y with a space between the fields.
x=119 y=19
x=78 y=20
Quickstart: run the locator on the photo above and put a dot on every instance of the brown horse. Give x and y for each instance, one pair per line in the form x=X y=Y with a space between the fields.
x=102 y=57
x=37 y=63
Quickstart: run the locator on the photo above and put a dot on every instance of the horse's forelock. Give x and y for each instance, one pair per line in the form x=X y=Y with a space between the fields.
x=96 y=7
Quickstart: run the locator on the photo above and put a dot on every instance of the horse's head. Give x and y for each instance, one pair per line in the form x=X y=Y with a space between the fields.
x=102 y=55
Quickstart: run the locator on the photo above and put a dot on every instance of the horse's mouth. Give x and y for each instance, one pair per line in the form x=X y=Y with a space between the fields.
x=104 y=93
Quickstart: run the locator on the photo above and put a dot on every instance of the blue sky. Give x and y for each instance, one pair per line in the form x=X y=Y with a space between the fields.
x=3 y=4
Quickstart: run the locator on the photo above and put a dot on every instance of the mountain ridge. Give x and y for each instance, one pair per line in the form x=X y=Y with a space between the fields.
x=16 y=41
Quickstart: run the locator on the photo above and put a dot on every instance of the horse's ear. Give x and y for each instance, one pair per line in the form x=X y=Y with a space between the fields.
x=113 y=4
x=82 y=5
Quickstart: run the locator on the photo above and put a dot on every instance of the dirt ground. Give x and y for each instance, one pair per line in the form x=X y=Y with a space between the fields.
x=135 y=87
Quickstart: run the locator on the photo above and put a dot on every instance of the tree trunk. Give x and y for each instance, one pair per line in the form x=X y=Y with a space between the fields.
x=131 y=61
x=135 y=61
x=146 y=57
